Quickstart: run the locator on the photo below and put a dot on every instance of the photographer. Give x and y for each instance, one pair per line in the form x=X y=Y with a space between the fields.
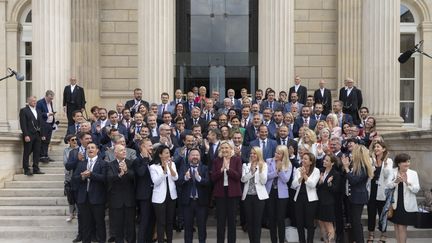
x=46 y=108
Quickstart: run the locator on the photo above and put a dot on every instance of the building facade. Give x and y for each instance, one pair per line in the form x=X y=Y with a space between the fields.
x=114 y=46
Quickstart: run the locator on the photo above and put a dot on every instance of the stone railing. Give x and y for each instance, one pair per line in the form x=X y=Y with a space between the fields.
x=11 y=148
x=418 y=144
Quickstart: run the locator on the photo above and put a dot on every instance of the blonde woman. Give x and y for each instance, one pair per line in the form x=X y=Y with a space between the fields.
x=306 y=197
x=357 y=173
x=226 y=175
x=279 y=173
x=319 y=126
x=333 y=125
x=254 y=175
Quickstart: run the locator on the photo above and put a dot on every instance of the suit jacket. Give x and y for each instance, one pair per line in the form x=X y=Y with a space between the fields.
x=42 y=106
x=301 y=93
x=346 y=118
x=276 y=106
x=130 y=104
x=234 y=175
x=77 y=98
x=160 y=183
x=249 y=136
x=260 y=180
x=326 y=191
x=289 y=142
x=326 y=100
x=173 y=103
x=288 y=105
x=409 y=191
x=169 y=108
x=187 y=108
x=97 y=190
x=121 y=190
x=190 y=122
x=311 y=184
x=30 y=125
x=358 y=193
x=320 y=117
x=298 y=122
x=270 y=147
x=144 y=184
x=283 y=177
x=353 y=101
x=110 y=155
x=202 y=186
x=120 y=127
x=211 y=156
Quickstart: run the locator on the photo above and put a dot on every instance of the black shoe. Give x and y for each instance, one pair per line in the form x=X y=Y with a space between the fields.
x=244 y=228
x=28 y=173
x=111 y=239
x=77 y=239
x=50 y=160
x=38 y=172
x=44 y=160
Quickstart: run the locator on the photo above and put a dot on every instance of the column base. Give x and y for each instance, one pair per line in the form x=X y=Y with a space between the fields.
x=4 y=126
x=389 y=124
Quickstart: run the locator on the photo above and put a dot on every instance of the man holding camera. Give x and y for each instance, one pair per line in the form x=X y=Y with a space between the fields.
x=46 y=108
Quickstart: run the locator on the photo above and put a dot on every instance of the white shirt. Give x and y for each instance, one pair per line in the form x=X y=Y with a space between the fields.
x=33 y=110
x=103 y=123
x=322 y=92
x=50 y=118
x=349 y=91
x=90 y=165
x=296 y=87
x=72 y=88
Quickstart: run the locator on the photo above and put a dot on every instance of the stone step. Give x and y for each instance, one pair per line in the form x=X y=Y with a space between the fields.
x=59 y=221
x=45 y=177
x=33 y=201
x=52 y=164
x=34 y=211
x=53 y=169
x=41 y=232
x=34 y=184
x=31 y=192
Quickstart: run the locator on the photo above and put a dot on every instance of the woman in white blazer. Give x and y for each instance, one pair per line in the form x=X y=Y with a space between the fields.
x=305 y=181
x=254 y=175
x=406 y=184
x=164 y=174
x=382 y=167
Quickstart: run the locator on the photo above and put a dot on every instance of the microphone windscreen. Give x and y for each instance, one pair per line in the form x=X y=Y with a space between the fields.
x=403 y=58
x=19 y=77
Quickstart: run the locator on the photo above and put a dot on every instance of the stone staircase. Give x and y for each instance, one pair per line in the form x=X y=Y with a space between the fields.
x=33 y=209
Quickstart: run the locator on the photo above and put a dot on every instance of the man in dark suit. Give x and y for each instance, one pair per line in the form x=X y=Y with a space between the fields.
x=196 y=119
x=252 y=130
x=236 y=104
x=299 y=89
x=213 y=138
x=352 y=100
x=121 y=195
x=45 y=107
x=144 y=190
x=190 y=103
x=304 y=120
x=318 y=112
x=194 y=180
x=113 y=123
x=258 y=97
x=271 y=103
x=178 y=98
x=32 y=133
x=73 y=99
x=91 y=194
x=342 y=117
x=323 y=96
x=133 y=105
x=73 y=129
x=164 y=105
x=284 y=139
x=267 y=145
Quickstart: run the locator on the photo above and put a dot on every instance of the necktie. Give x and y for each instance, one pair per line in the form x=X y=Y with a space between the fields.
x=127 y=124
x=306 y=122
x=283 y=141
x=190 y=106
x=90 y=168
x=138 y=129
x=194 y=189
x=77 y=128
x=163 y=108
x=244 y=122
x=208 y=116
x=317 y=117
x=271 y=105
x=195 y=121
x=263 y=145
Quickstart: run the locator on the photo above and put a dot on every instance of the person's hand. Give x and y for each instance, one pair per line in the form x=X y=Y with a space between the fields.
x=164 y=166
x=260 y=167
x=137 y=136
x=81 y=156
x=330 y=179
x=187 y=175
x=279 y=166
x=321 y=180
x=206 y=144
x=27 y=139
x=98 y=128
x=237 y=151
x=43 y=138
x=197 y=173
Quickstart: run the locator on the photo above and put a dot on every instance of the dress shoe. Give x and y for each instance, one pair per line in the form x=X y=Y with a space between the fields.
x=50 y=160
x=44 y=160
x=111 y=239
x=38 y=172
x=28 y=173
x=77 y=239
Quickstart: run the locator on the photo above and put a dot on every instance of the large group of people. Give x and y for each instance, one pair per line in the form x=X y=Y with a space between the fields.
x=314 y=160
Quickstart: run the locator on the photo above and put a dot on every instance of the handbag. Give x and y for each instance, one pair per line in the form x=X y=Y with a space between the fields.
x=390 y=212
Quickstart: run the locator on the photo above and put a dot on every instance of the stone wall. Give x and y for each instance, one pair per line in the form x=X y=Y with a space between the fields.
x=10 y=156
x=118 y=47
x=419 y=146
x=315 y=42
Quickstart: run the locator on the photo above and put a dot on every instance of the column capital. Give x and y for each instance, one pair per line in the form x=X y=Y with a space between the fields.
x=425 y=26
x=13 y=26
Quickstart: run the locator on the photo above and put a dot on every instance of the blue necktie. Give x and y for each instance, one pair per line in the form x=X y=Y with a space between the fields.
x=194 y=189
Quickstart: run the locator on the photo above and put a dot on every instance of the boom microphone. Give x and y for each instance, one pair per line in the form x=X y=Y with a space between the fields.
x=17 y=75
x=403 y=58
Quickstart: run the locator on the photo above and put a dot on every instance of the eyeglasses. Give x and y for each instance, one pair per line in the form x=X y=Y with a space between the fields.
x=73 y=139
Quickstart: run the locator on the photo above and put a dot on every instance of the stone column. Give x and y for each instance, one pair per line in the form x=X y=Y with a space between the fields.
x=380 y=72
x=426 y=71
x=51 y=47
x=276 y=44
x=12 y=91
x=3 y=85
x=349 y=40
x=85 y=47
x=156 y=47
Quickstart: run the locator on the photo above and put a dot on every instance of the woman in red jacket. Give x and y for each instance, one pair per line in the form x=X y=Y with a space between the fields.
x=226 y=175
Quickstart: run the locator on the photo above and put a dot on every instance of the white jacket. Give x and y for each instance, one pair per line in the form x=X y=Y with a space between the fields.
x=160 y=186
x=260 y=181
x=310 y=184
x=383 y=178
x=409 y=191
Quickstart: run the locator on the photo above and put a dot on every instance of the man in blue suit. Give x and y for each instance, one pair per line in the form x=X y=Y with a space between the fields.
x=267 y=145
x=304 y=120
x=91 y=194
x=164 y=106
x=194 y=180
x=271 y=103
x=113 y=124
x=236 y=104
x=45 y=107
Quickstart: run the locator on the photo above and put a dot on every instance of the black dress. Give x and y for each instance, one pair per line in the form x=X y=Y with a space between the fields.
x=400 y=216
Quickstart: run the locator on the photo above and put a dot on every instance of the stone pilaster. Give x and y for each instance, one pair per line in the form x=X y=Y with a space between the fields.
x=3 y=85
x=156 y=47
x=349 y=40
x=425 y=108
x=51 y=47
x=12 y=94
x=85 y=47
x=380 y=71
x=276 y=44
